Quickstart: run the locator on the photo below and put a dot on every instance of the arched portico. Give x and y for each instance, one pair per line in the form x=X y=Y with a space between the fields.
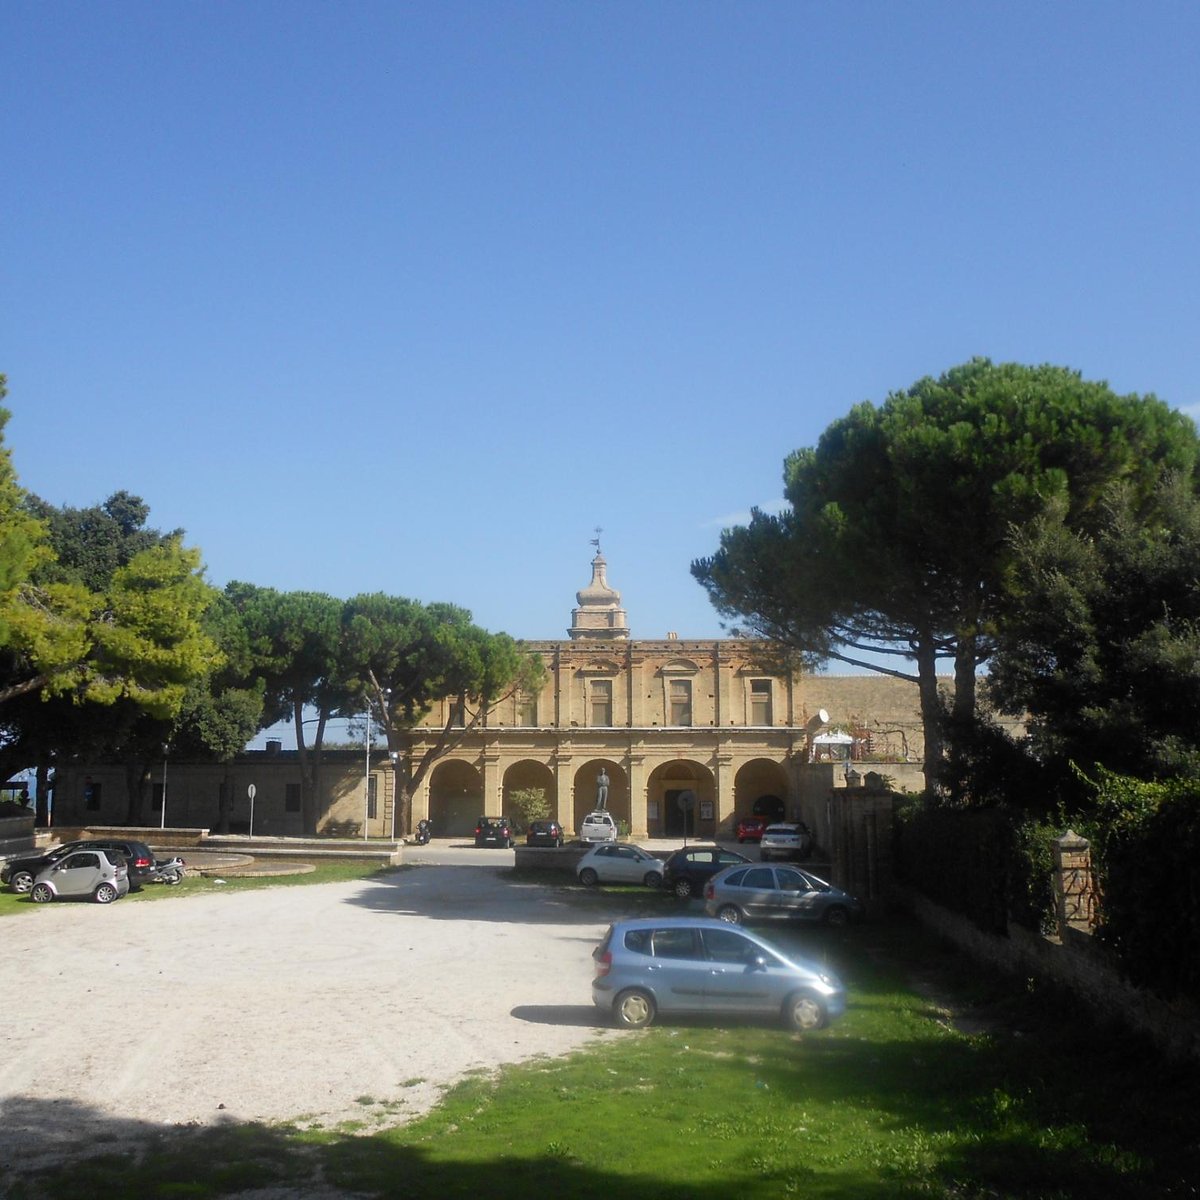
x=666 y=785
x=529 y=775
x=760 y=788
x=584 y=788
x=455 y=798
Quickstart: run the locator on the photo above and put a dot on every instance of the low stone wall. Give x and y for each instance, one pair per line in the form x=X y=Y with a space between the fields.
x=1075 y=963
x=16 y=835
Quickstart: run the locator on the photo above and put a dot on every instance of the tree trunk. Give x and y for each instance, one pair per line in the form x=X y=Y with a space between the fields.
x=225 y=800
x=137 y=788
x=42 y=817
x=964 y=681
x=931 y=710
x=402 y=788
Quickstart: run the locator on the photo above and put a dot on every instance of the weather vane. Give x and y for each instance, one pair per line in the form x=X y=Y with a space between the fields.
x=596 y=540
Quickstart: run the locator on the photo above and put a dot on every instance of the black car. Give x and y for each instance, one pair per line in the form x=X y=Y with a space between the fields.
x=19 y=873
x=493 y=831
x=686 y=871
x=544 y=833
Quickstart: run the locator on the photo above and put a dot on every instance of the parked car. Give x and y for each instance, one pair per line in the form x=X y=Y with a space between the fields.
x=777 y=893
x=619 y=863
x=693 y=965
x=686 y=870
x=598 y=827
x=101 y=875
x=20 y=873
x=544 y=833
x=785 y=840
x=750 y=829
x=493 y=831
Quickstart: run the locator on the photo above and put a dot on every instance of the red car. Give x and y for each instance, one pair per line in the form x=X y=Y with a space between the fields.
x=750 y=829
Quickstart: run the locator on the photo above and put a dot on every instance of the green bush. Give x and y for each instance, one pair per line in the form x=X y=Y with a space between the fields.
x=1145 y=846
x=526 y=805
x=991 y=865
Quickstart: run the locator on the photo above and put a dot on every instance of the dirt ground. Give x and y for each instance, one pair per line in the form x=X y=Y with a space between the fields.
x=319 y=1005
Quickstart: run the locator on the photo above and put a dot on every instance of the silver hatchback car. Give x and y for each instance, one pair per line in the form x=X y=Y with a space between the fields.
x=777 y=893
x=676 y=965
x=101 y=875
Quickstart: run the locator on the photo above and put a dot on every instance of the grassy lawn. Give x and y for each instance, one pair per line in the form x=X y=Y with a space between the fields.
x=889 y=1102
x=195 y=885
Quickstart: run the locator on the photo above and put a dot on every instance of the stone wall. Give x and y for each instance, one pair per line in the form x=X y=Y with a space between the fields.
x=1076 y=963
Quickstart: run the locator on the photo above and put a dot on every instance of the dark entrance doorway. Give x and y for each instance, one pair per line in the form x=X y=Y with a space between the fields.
x=676 y=821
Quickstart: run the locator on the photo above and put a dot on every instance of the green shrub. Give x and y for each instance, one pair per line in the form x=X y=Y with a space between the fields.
x=526 y=805
x=1145 y=846
x=991 y=865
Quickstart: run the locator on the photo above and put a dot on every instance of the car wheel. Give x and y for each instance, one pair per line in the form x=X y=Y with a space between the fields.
x=683 y=888
x=105 y=893
x=730 y=913
x=588 y=877
x=633 y=1010
x=741 y=841
x=803 y=1011
x=21 y=882
x=652 y=879
x=42 y=893
x=837 y=917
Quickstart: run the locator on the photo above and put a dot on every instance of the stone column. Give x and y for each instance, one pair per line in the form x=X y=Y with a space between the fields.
x=1074 y=884
x=635 y=772
x=493 y=789
x=564 y=786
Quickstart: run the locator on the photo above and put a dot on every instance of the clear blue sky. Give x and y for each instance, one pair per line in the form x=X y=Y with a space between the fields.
x=410 y=297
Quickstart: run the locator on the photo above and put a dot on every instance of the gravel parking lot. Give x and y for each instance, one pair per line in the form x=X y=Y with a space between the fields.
x=319 y=1005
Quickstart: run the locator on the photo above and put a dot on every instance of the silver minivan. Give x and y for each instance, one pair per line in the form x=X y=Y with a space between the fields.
x=695 y=965
x=779 y=893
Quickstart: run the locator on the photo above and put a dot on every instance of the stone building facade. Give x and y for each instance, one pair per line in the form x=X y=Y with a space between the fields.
x=691 y=734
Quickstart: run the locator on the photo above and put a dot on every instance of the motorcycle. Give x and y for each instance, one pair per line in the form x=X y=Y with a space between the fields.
x=168 y=871
x=424 y=832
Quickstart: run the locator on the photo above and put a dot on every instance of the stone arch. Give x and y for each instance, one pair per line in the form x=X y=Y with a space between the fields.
x=455 y=798
x=584 y=787
x=529 y=773
x=761 y=784
x=666 y=783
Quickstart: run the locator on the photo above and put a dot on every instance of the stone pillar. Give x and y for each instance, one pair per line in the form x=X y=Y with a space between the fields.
x=1074 y=884
x=635 y=772
x=724 y=782
x=493 y=790
x=564 y=786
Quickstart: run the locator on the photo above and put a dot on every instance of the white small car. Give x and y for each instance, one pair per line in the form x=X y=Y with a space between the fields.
x=619 y=863
x=598 y=826
x=101 y=875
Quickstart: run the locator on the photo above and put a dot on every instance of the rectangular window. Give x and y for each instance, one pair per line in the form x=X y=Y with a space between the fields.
x=681 y=702
x=601 y=702
x=458 y=713
x=291 y=798
x=372 y=796
x=527 y=711
x=760 y=702
x=91 y=796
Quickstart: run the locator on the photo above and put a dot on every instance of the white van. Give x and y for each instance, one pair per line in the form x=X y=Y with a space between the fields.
x=598 y=826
